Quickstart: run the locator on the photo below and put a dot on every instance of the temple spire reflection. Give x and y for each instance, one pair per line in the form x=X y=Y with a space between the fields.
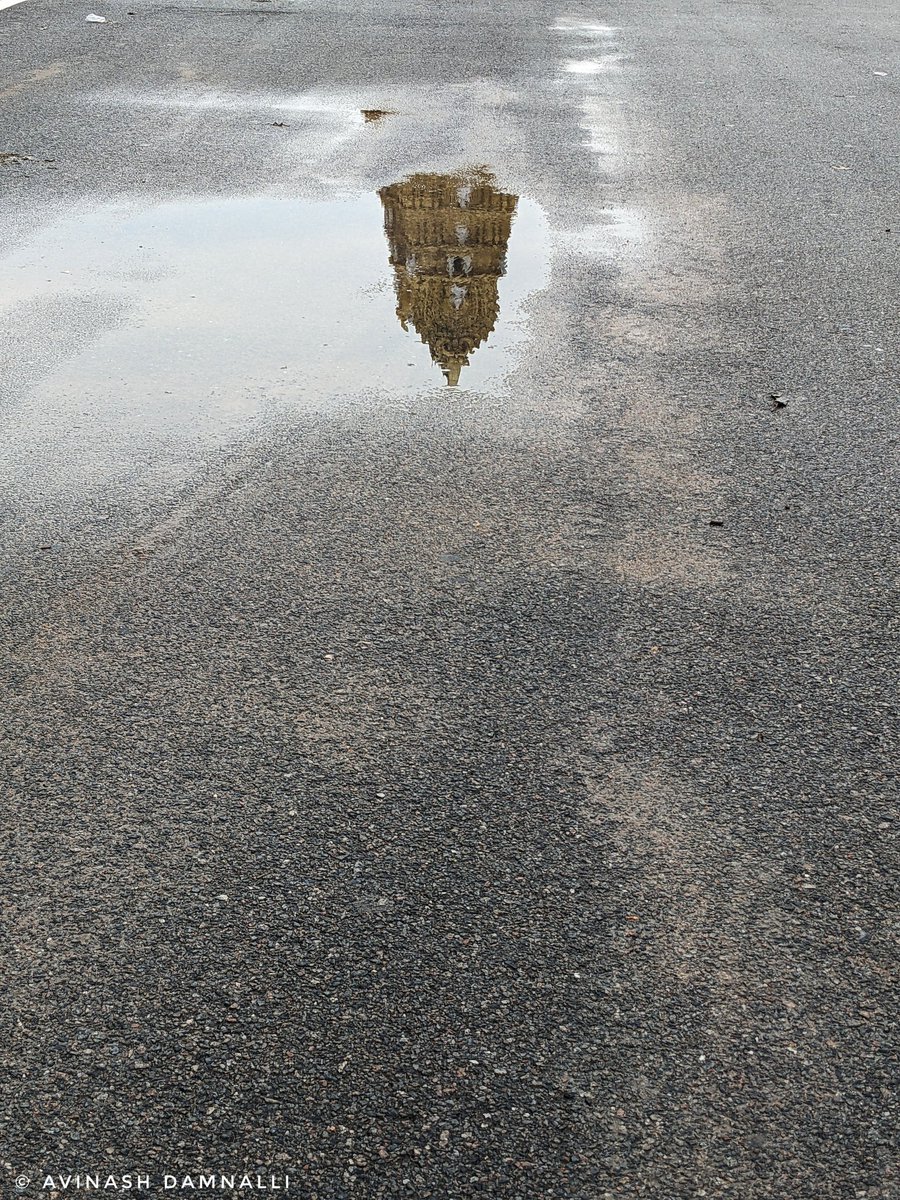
x=448 y=236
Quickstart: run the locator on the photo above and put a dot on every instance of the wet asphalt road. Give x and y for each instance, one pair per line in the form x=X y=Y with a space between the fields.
x=479 y=792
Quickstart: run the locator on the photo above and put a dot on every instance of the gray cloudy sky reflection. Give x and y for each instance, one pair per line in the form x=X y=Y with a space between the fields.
x=231 y=306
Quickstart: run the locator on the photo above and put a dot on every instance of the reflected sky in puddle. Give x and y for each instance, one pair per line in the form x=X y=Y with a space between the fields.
x=231 y=305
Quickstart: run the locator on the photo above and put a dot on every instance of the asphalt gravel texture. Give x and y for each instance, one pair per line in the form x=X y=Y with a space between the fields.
x=453 y=794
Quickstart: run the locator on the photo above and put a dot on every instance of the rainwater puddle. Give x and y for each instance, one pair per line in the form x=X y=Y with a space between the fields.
x=198 y=315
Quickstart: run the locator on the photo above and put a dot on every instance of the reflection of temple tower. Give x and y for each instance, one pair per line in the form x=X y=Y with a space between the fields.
x=448 y=236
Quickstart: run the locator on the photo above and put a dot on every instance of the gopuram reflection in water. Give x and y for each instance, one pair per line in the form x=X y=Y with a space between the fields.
x=448 y=236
